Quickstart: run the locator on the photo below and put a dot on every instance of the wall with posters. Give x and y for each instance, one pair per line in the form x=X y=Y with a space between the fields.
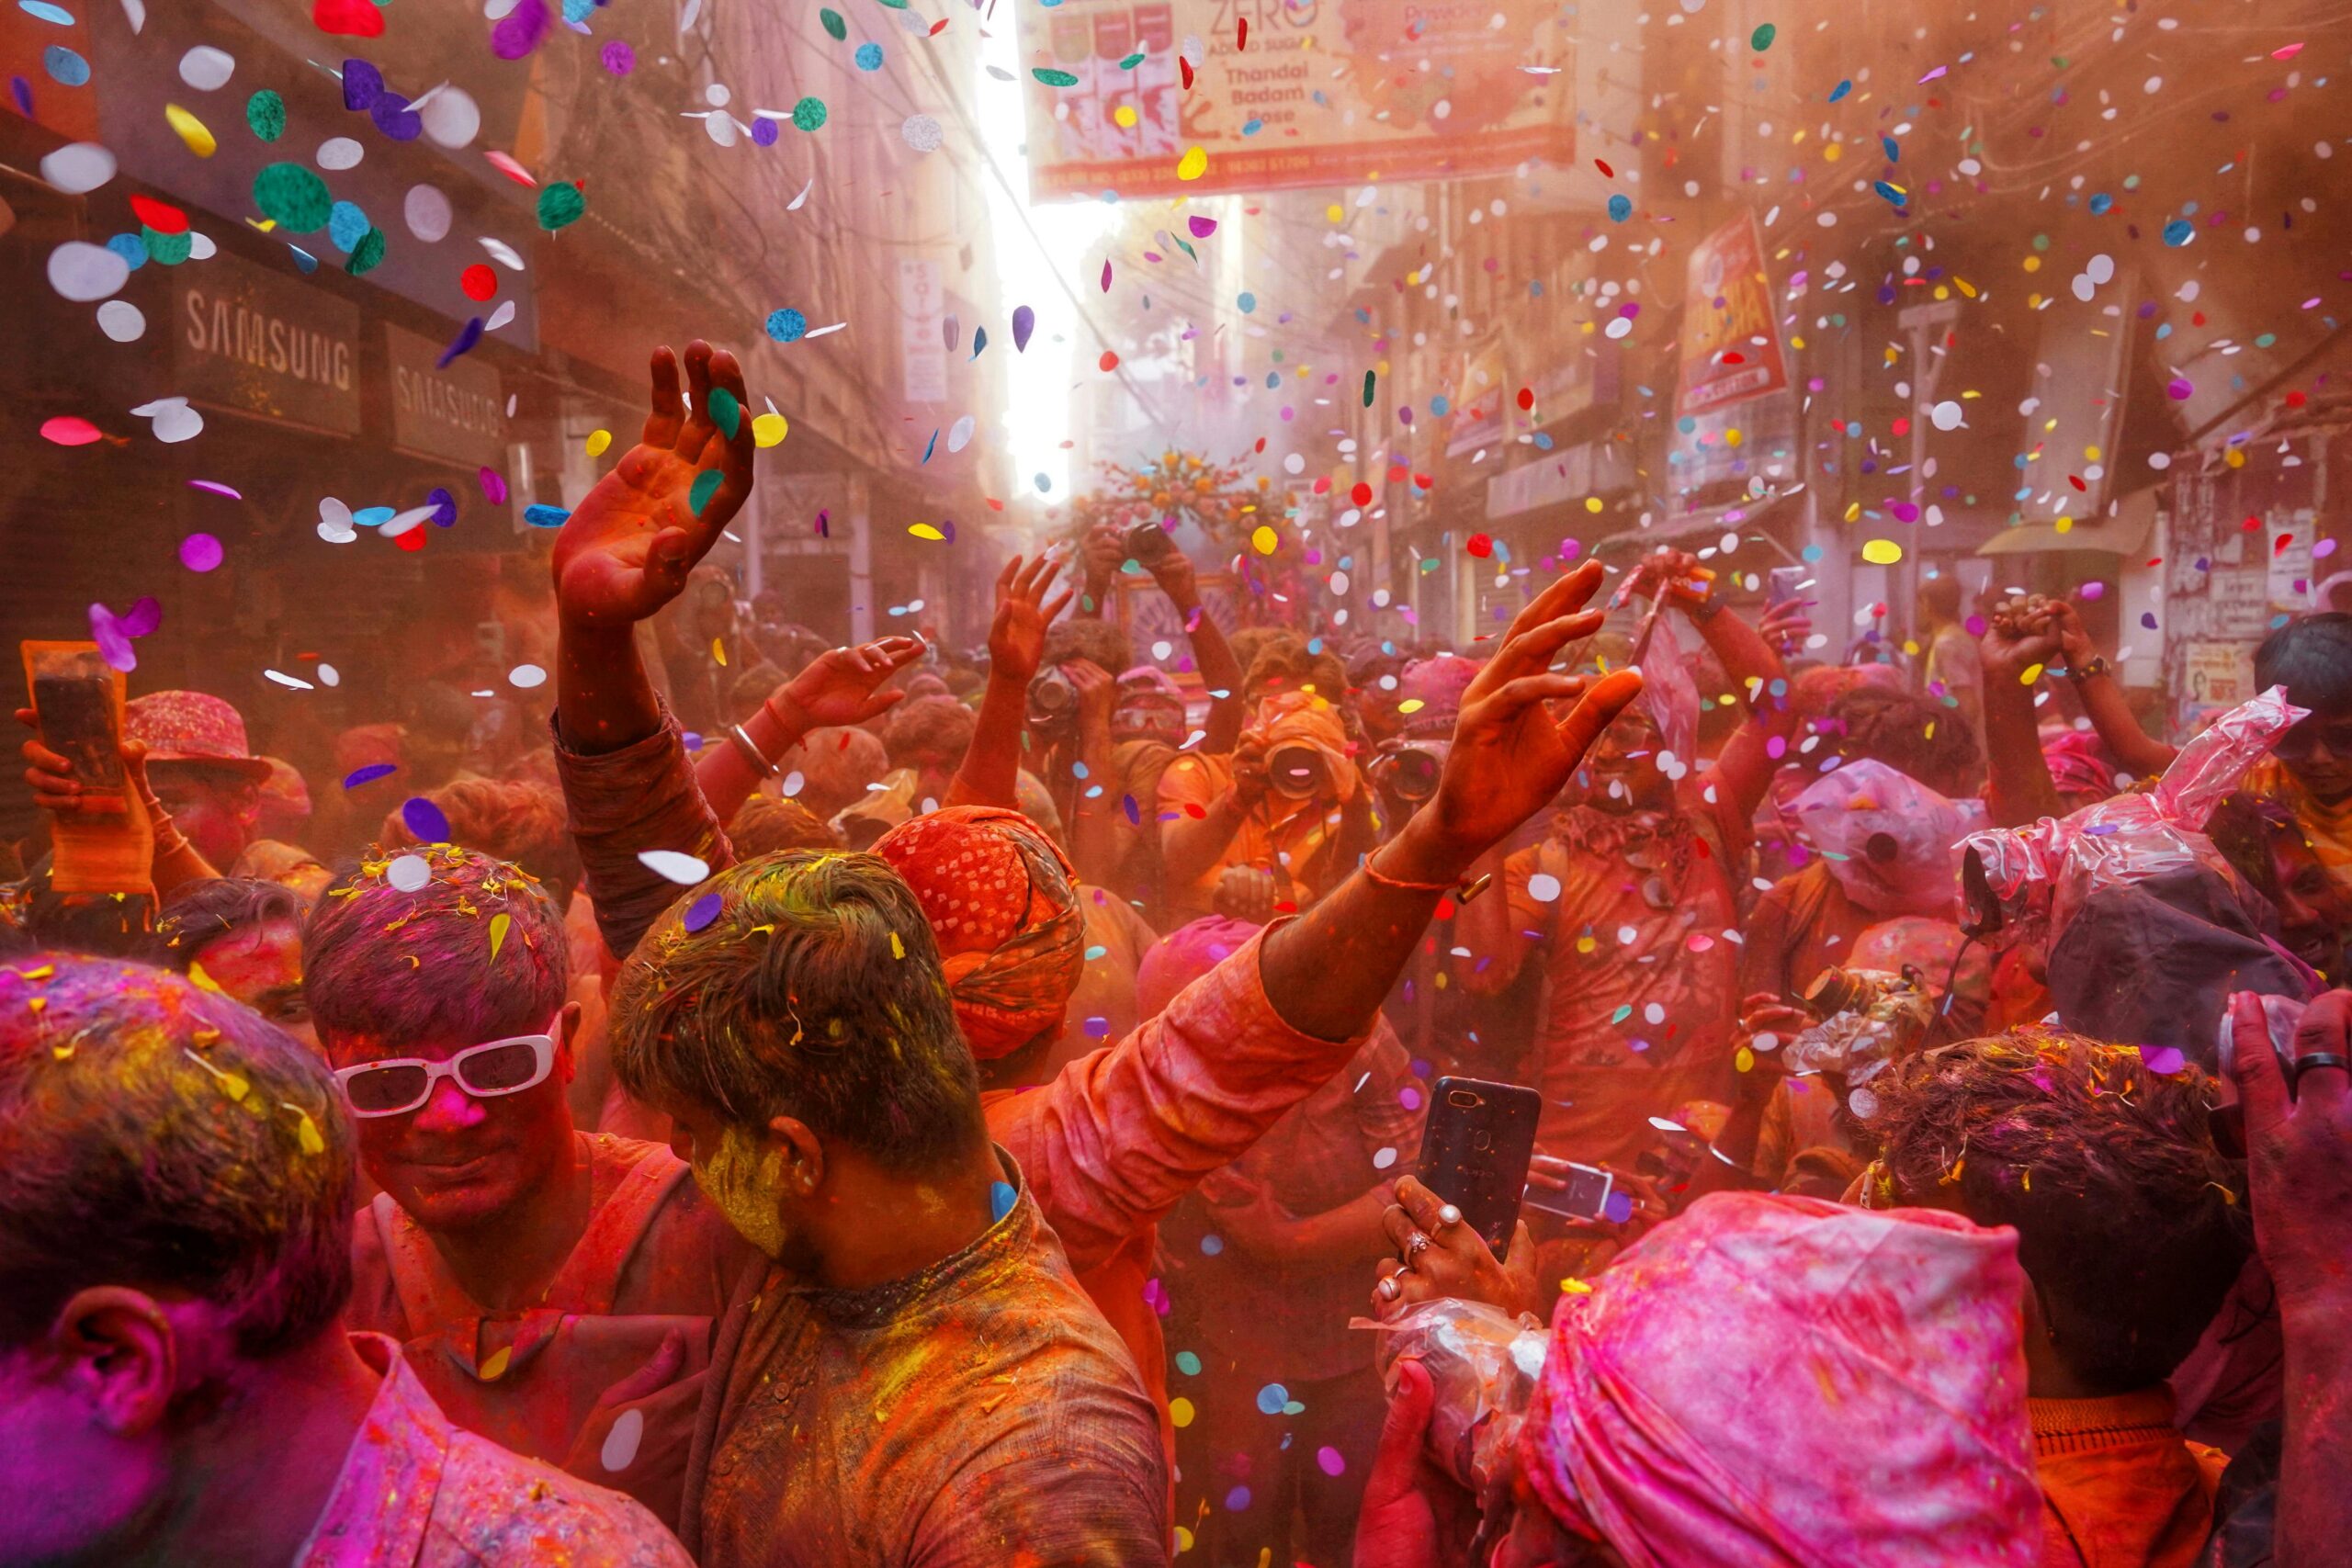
x=1314 y=96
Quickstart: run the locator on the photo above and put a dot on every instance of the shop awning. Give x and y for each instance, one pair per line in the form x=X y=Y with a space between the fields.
x=2125 y=534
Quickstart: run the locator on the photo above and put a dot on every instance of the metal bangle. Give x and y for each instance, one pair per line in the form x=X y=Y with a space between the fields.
x=2310 y=1059
x=752 y=753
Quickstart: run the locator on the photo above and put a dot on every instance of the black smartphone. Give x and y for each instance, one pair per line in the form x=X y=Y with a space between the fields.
x=1587 y=1197
x=76 y=715
x=1474 y=1149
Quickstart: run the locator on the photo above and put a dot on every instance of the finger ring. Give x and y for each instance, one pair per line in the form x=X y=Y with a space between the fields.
x=1449 y=1215
x=1389 y=1289
x=2311 y=1059
x=1415 y=1247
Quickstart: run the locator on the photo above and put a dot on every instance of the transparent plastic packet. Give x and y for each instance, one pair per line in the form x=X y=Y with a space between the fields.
x=2130 y=837
x=1485 y=1365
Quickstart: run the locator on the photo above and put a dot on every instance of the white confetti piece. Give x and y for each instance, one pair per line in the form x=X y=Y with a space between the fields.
x=670 y=866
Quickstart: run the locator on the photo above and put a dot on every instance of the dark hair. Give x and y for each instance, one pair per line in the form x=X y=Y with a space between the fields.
x=811 y=988
x=766 y=825
x=1941 y=593
x=1916 y=735
x=520 y=821
x=394 y=967
x=1084 y=637
x=157 y=1135
x=2127 y=1221
x=928 y=728
x=1286 y=664
x=2311 y=657
x=201 y=913
x=835 y=764
x=748 y=692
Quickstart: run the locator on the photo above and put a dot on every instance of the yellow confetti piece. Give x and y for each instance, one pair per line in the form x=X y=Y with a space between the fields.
x=1882 y=552
x=1184 y=1539
x=1192 y=164
x=924 y=531
x=2029 y=674
x=898 y=948
x=769 y=430
x=1411 y=705
x=1180 y=1411
x=1743 y=1060
x=498 y=928
x=1575 y=1288
x=493 y=1366
x=191 y=131
x=1124 y=116
x=718 y=651
x=235 y=1085
x=204 y=982
x=1264 y=540
x=598 y=440
x=306 y=1133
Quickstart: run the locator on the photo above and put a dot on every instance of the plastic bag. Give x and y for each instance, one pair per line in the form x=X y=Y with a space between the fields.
x=1892 y=842
x=1885 y=1017
x=2132 y=837
x=1484 y=1366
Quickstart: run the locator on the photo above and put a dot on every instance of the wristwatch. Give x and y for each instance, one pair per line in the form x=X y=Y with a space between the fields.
x=2096 y=668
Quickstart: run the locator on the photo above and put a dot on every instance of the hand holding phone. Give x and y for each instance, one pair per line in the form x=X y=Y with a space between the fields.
x=1474 y=1149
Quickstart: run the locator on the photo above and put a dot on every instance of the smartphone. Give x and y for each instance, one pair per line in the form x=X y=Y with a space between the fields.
x=73 y=698
x=1783 y=584
x=1474 y=1149
x=1586 y=1199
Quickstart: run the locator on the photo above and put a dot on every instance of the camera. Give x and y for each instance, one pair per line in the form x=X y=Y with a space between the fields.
x=1148 y=541
x=1409 y=770
x=1296 y=771
x=1052 y=701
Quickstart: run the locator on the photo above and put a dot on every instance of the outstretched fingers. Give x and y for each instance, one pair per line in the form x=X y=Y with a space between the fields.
x=1597 y=709
x=665 y=416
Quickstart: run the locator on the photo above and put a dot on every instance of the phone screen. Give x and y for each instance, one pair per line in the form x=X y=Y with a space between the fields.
x=76 y=714
x=1587 y=1197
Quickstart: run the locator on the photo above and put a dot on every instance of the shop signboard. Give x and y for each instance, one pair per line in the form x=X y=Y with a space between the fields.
x=1731 y=343
x=458 y=412
x=1308 y=95
x=257 y=341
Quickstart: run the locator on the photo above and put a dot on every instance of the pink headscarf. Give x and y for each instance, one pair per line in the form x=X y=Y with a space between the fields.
x=1182 y=957
x=1781 y=1382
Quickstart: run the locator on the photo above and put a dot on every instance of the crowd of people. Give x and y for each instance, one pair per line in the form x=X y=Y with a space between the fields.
x=893 y=1109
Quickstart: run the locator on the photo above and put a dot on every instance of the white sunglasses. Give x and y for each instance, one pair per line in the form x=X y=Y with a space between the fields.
x=401 y=1084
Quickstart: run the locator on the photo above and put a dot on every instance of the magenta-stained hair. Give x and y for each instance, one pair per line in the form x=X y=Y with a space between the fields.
x=163 y=1137
x=396 y=967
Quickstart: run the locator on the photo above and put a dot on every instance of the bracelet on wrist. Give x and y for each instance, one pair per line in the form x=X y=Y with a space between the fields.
x=2097 y=666
x=1461 y=891
x=751 y=753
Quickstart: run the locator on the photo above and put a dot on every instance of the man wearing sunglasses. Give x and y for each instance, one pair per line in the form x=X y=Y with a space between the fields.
x=552 y=1289
x=178 y=1383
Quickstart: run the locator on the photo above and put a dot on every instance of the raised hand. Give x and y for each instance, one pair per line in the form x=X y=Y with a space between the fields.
x=2010 y=648
x=2299 y=1147
x=1017 y=636
x=838 y=688
x=627 y=549
x=1786 y=626
x=1677 y=573
x=1510 y=756
x=55 y=789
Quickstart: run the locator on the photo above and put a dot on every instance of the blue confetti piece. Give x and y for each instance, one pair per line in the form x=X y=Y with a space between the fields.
x=303 y=260
x=980 y=341
x=2179 y=232
x=1097 y=951
x=1272 y=1398
x=424 y=820
x=1889 y=192
x=545 y=516
x=467 y=335
x=373 y=516
x=787 y=326
x=130 y=248
x=702 y=912
x=2101 y=205
x=1840 y=90
x=41 y=11
x=869 y=57
x=1621 y=207
x=65 y=67
x=1893 y=152
x=1001 y=1198
x=1254 y=126
x=1188 y=1363
x=931 y=446
x=705 y=485
x=369 y=773
x=346 y=226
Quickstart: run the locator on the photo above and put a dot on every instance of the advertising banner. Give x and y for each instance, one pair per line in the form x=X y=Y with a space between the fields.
x=1319 y=93
x=1726 y=309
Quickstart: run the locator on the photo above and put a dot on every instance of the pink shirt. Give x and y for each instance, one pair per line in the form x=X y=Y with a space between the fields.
x=415 y=1492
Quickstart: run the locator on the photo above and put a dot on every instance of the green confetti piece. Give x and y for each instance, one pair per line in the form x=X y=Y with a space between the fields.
x=725 y=412
x=707 y=485
x=266 y=115
x=1367 y=389
x=560 y=204
x=1052 y=78
x=293 y=198
x=808 y=113
x=833 y=23
x=1761 y=39
x=168 y=250
x=1131 y=62
x=366 y=254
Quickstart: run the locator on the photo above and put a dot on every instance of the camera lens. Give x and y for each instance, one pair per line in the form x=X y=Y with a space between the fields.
x=1148 y=541
x=1413 y=773
x=1295 y=771
x=1052 y=698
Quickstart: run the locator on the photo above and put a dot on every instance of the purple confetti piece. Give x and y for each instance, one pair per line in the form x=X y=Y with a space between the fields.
x=493 y=486
x=445 y=506
x=143 y=617
x=369 y=773
x=362 y=84
x=106 y=632
x=200 y=552
x=764 y=132
x=395 y=119
x=1025 y=321
x=467 y=335
x=702 y=912
x=520 y=31
x=2163 y=1060
x=1202 y=227
x=22 y=91
x=424 y=820
x=620 y=60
